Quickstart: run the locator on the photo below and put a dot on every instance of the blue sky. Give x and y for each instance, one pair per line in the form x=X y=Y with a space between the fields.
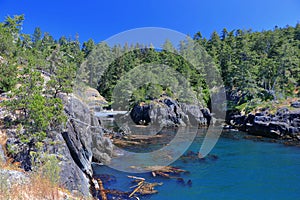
x=102 y=19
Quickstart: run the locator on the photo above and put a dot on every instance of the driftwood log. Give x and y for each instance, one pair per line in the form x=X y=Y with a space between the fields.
x=143 y=187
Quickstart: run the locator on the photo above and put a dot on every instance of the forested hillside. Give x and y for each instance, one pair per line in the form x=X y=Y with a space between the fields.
x=255 y=67
x=53 y=142
x=34 y=70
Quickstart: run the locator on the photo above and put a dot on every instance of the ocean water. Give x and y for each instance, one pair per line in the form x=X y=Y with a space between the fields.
x=234 y=169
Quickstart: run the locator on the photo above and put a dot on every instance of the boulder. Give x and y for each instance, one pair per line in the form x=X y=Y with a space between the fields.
x=238 y=120
x=293 y=131
x=295 y=122
x=294 y=115
x=262 y=119
x=250 y=118
x=279 y=127
x=281 y=112
x=295 y=104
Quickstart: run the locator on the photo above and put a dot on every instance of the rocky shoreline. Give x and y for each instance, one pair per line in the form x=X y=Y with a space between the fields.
x=76 y=147
x=166 y=112
x=282 y=126
x=83 y=140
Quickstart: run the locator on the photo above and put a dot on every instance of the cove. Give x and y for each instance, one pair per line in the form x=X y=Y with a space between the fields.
x=234 y=169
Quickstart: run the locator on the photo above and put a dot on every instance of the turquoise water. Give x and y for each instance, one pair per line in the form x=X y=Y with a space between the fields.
x=239 y=169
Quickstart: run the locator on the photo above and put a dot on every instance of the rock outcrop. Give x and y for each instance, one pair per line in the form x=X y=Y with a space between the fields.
x=284 y=124
x=84 y=139
x=93 y=99
x=167 y=112
x=80 y=143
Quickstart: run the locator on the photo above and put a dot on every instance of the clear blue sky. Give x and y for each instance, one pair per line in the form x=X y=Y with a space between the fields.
x=101 y=19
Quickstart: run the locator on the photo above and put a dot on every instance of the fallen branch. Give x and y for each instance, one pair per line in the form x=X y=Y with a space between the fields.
x=143 y=187
x=102 y=190
x=135 y=177
x=137 y=189
x=137 y=185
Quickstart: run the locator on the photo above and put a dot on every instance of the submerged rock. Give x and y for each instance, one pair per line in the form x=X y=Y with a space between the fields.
x=189 y=183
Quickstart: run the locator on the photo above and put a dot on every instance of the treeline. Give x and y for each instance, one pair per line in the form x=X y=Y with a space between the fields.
x=255 y=66
x=34 y=69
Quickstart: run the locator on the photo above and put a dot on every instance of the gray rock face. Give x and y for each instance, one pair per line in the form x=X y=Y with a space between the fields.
x=284 y=124
x=81 y=142
x=102 y=149
x=84 y=135
x=72 y=176
x=84 y=140
x=168 y=112
x=194 y=114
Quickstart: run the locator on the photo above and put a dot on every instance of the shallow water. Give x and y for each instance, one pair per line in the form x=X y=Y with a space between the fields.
x=240 y=169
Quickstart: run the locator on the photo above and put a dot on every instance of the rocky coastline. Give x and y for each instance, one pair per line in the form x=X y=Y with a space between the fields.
x=281 y=126
x=77 y=145
x=167 y=112
x=83 y=140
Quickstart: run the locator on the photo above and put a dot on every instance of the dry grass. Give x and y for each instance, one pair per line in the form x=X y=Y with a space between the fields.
x=36 y=188
x=10 y=165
